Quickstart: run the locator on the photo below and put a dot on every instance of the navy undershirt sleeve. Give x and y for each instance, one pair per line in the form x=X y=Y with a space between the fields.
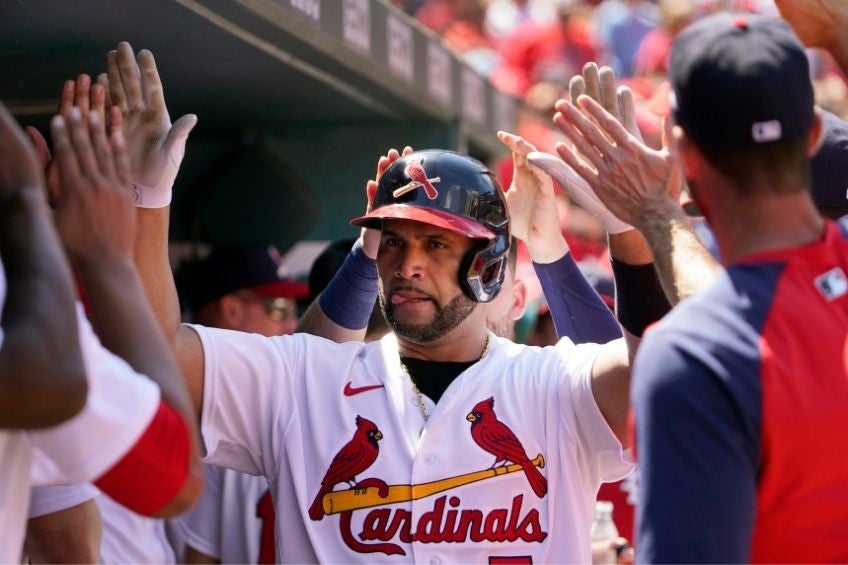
x=577 y=310
x=349 y=298
x=697 y=445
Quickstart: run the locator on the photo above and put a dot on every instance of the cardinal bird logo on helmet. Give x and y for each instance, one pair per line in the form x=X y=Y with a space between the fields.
x=415 y=171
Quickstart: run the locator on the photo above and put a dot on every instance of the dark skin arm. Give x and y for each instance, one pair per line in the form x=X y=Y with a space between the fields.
x=71 y=535
x=195 y=557
x=42 y=378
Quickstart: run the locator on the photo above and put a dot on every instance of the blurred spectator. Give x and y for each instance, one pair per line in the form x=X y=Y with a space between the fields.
x=548 y=52
x=652 y=56
x=504 y=16
x=436 y=14
x=624 y=35
x=239 y=287
x=466 y=35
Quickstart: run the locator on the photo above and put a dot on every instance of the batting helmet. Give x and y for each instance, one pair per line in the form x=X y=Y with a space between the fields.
x=454 y=192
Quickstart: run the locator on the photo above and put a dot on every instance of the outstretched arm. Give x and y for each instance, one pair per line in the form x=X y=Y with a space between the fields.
x=155 y=148
x=42 y=378
x=640 y=186
x=577 y=310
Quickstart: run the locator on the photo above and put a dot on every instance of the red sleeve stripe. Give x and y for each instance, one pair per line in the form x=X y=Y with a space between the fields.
x=151 y=474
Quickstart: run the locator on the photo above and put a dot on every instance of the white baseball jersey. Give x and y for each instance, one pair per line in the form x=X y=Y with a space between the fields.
x=358 y=476
x=234 y=519
x=129 y=537
x=47 y=500
x=119 y=407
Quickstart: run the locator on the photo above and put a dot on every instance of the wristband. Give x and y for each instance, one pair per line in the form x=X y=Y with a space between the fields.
x=640 y=300
x=349 y=298
x=149 y=197
x=156 y=190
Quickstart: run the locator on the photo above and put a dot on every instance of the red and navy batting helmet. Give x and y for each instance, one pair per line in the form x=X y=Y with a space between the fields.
x=457 y=193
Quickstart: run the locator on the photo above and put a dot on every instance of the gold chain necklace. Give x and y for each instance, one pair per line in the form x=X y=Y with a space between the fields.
x=422 y=407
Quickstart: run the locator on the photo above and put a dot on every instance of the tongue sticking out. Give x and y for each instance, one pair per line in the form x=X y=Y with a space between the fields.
x=408 y=298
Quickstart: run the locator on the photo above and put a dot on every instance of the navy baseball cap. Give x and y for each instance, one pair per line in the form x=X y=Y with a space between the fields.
x=231 y=268
x=740 y=80
x=829 y=166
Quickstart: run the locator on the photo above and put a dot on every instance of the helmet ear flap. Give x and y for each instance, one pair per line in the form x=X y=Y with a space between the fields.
x=482 y=272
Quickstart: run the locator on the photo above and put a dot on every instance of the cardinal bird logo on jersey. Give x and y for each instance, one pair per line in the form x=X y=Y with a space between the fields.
x=415 y=171
x=355 y=457
x=495 y=437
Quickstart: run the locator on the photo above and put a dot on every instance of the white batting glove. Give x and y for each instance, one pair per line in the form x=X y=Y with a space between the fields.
x=579 y=190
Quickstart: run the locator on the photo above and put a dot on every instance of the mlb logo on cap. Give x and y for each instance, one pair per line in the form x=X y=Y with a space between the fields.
x=763 y=132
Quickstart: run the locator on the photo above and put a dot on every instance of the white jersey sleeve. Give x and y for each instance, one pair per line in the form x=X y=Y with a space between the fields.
x=15 y=456
x=47 y=500
x=247 y=397
x=132 y=538
x=120 y=405
x=603 y=454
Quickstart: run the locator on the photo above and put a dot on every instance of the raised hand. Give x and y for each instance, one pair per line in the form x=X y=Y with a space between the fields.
x=155 y=146
x=600 y=85
x=533 y=211
x=371 y=238
x=88 y=98
x=94 y=213
x=631 y=179
x=820 y=23
x=19 y=165
x=579 y=190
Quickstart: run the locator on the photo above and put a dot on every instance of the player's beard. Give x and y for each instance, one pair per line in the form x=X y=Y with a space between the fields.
x=447 y=317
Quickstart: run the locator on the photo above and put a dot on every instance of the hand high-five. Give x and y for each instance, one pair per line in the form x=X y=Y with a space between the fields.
x=623 y=177
x=94 y=213
x=155 y=146
x=600 y=85
x=533 y=211
x=87 y=98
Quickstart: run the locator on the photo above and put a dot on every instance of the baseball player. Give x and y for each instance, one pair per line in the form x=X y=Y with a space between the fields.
x=116 y=438
x=740 y=379
x=364 y=464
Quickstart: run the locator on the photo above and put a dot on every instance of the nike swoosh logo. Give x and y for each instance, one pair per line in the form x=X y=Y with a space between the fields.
x=351 y=391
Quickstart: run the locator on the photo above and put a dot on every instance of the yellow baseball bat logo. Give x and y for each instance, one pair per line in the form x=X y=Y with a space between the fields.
x=358 y=499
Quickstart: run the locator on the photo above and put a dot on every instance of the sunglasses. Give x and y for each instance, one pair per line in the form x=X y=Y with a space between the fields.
x=277 y=307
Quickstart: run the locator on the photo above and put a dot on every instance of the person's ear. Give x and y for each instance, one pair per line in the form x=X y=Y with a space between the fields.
x=691 y=157
x=519 y=298
x=231 y=311
x=816 y=135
